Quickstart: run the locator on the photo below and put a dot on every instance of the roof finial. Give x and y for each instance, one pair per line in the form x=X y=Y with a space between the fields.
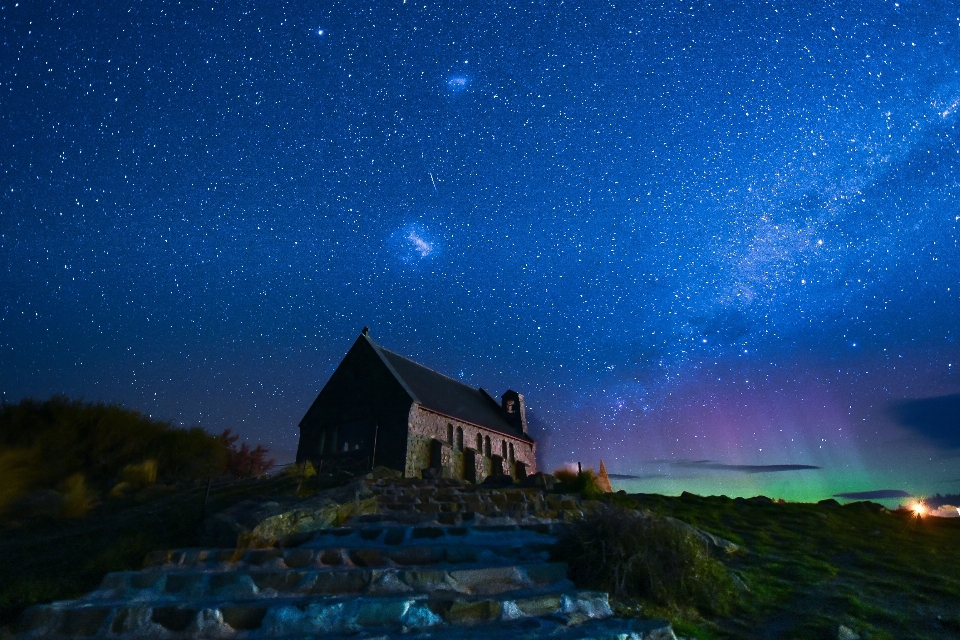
x=366 y=331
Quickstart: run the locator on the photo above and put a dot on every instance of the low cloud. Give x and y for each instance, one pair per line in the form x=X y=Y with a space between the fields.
x=742 y=468
x=647 y=476
x=693 y=468
x=937 y=419
x=879 y=494
x=939 y=500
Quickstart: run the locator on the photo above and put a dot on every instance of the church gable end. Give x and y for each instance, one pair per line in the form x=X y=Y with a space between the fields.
x=359 y=419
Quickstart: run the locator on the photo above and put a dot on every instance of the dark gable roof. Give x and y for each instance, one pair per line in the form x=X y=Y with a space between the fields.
x=447 y=396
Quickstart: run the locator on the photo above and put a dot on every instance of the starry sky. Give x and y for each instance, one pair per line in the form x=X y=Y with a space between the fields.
x=715 y=244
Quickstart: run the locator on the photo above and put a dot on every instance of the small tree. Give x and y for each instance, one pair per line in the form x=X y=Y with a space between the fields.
x=245 y=462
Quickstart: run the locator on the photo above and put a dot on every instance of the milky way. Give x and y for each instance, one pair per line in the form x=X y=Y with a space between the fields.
x=715 y=245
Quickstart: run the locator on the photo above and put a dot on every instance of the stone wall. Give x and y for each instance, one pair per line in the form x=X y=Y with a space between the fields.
x=426 y=426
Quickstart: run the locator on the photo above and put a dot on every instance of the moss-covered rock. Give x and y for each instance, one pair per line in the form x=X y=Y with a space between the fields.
x=273 y=529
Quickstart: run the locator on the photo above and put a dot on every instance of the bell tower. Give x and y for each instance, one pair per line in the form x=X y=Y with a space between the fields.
x=516 y=410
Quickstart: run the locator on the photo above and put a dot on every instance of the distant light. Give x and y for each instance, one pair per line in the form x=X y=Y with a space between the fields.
x=918 y=508
x=321 y=32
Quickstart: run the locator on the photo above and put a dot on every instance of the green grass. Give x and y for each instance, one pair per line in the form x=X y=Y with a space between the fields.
x=811 y=568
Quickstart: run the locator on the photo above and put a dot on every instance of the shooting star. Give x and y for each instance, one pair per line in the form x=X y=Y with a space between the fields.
x=432 y=181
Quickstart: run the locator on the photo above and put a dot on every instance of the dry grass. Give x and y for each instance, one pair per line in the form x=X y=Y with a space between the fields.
x=140 y=476
x=300 y=471
x=584 y=482
x=103 y=442
x=79 y=499
x=16 y=475
x=135 y=477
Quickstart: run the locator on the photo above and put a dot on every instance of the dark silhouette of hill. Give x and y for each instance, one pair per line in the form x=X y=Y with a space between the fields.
x=56 y=443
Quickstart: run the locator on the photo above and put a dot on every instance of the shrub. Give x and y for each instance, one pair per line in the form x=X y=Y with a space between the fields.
x=134 y=477
x=16 y=474
x=140 y=476
x=635 y=555
x=100 y=440
x=43 y=444
x=583 y=482
x=78 y=497
x=300 y=471
x=245 y=462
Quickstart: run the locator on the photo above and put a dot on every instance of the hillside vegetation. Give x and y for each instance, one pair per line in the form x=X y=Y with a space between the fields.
x=811 y=568
x=88 y=488
x=87 y=451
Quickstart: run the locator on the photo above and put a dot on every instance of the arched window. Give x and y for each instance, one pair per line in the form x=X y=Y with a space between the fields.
x=449 y=433
x=503 y=449
x=511 y=452
x=486 y=446
x=479 y=444
x=459 y=439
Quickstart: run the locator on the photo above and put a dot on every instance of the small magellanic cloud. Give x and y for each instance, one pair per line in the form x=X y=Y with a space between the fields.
x=458 y=83
x=413 y=244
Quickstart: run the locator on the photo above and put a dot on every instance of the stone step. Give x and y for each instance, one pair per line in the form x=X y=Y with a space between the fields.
x=400 y=545
x=225 y=559
x=530 y=629
x=503 y=536
x=156 y=585
x=293 y=617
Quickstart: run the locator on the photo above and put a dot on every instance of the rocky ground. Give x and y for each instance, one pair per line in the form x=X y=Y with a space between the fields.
x=377 y=558
x=381 y=556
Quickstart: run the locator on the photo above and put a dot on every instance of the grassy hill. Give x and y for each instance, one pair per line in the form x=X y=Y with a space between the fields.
x=813 y=567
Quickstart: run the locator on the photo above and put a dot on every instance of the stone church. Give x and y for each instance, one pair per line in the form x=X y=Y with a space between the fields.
x=382 y=409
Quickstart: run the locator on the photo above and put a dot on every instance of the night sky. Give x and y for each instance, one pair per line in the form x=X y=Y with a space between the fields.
x=714 y=244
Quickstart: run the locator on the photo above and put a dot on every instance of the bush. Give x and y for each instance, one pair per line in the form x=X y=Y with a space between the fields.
x=245 y=462
x=300 y=471
x=44 y=444
x=140 y=476
x=583 y=482
x=636 y=555
x=78 y=498
x=99 y=440
x=134 y=477
x=17 y=474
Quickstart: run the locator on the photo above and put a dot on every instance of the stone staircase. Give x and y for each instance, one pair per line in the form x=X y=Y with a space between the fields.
x=400 y=571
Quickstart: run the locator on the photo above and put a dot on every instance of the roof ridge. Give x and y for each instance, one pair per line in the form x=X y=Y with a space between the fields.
x=486 y=394
x=445 y=395
x=443 y=375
